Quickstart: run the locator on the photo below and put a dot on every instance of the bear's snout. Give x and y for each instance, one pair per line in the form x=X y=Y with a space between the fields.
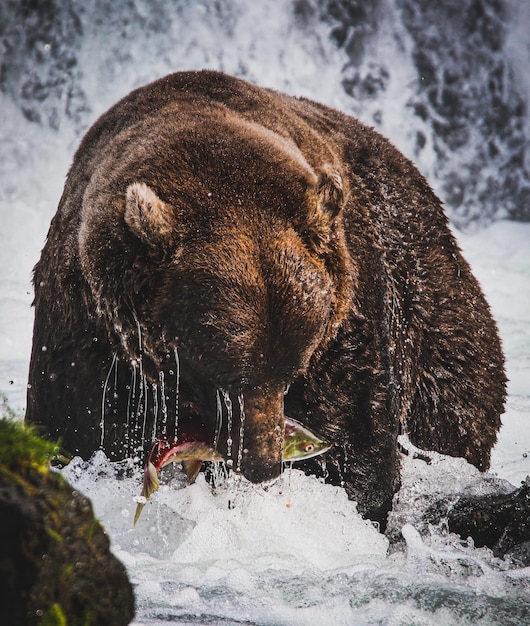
x=262 y=429
x=262 y=473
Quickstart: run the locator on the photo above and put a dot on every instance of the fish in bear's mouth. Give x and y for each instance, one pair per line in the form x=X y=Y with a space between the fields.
x=192 y=450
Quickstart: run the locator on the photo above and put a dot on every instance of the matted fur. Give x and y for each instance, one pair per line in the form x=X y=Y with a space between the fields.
x=263 y=242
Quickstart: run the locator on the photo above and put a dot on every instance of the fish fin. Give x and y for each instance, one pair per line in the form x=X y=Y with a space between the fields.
x=139 y=509
x=151 y=484
x=191 y=468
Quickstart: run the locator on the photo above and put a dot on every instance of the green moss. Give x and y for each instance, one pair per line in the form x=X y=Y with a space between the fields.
x=69 y=572
x=54 y=616
x=21 y=448
x=91 y=529
x=54 y=535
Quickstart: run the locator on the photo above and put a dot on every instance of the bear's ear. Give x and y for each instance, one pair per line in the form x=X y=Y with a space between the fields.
x=148 y=216
x=330 y=190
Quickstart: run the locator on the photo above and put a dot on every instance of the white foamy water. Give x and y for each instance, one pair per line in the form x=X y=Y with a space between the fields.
x=298 y=553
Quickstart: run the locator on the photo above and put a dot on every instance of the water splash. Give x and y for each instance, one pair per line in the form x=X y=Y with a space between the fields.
x=163 y=401
x=155 y=409
x=131 y=401
x=241 y=401
x=298 y=552
x=229 y=419
x=143 y=405
x=141 y=408
x=218 y=418
x=177 y=388
x=105 y=389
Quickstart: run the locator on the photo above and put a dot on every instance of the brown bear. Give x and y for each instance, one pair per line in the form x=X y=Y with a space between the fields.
x=224 y=255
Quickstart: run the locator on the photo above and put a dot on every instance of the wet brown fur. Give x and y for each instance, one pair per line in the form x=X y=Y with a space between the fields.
x=275 y=241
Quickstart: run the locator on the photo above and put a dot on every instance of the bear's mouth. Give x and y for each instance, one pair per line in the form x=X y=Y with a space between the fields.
x=244 y=424
x=193 y=444
x=299 y=443
x=218 y=418
x=201 y=405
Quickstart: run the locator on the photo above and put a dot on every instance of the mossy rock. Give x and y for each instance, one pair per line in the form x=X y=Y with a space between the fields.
x=56 y=566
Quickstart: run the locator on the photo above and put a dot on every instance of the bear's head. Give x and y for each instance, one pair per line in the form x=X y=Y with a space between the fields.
x=218 y=239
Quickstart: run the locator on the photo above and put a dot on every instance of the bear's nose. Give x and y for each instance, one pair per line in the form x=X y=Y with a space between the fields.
x=262 y=431
x=262 y=472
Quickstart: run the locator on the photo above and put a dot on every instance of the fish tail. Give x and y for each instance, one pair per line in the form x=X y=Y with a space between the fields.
x=191 y=468
x=151 y=482
x=139 y=509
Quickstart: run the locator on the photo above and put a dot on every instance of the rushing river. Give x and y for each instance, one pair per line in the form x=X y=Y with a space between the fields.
x=296 y=552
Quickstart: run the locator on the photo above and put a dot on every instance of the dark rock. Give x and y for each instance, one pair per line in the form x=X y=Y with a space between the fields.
x=499 y=521
x=55 y=561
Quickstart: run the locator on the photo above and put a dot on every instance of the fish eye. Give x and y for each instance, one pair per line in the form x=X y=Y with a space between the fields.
x=309 y=447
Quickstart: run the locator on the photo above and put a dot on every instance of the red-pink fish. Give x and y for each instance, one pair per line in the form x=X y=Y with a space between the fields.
x=299 y=443
x=192 y=454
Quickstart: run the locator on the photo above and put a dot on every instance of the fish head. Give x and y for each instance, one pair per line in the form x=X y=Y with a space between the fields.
x=160 y=451
x=300 y=443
